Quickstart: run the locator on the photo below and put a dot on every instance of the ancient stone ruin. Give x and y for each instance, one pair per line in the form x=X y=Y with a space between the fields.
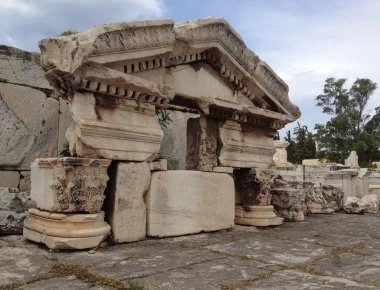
x=116 y=78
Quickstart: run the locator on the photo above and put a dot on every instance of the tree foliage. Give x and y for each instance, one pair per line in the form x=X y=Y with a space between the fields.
x=301 y=146
x=350 y=127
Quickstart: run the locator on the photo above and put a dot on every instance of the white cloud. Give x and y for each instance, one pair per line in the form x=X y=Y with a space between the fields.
x=26 y=22
x=306 y=44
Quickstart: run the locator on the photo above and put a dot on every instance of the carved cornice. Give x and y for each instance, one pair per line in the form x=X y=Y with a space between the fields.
x=276 y=86
x=68 y=53
x=158 y=44
x=95 y=78
x=217 y=30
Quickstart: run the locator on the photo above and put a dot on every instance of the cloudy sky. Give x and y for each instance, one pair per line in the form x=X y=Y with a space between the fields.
x=304 y=41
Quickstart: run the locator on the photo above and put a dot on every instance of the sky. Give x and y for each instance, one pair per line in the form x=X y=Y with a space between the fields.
x=304 y=41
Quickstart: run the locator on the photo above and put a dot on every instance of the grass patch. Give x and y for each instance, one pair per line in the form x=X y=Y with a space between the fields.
x=82 y=273
x=237 y=285
x=11 y=286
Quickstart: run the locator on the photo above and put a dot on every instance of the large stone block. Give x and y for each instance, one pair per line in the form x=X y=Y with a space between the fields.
x=66 y=231
x=9 y=179
x=117 y=129
x=21 y=67
x=187 y=202
x=25 y=181
x=245 y=147
x=202 y=144
x=289 y=199
x=280 y=157
x=126 y=211
x=64 y=123
x=29 y=126
x=69 y=184
x=13 y=209
x=174 y=143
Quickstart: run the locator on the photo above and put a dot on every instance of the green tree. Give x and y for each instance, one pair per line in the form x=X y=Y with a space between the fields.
x=301 y=146
x=291 y=148
x=349 y=127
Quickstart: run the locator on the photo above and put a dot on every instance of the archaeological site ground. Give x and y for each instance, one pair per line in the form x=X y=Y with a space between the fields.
x=142 y=155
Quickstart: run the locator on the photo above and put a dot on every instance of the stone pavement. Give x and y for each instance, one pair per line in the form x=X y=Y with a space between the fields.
x=336 y=251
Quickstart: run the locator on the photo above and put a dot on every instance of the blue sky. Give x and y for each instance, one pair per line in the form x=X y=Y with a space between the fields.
x=304 y=41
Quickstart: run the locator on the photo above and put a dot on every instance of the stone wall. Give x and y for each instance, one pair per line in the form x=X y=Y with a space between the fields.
x=353 y=182
x=33 y=118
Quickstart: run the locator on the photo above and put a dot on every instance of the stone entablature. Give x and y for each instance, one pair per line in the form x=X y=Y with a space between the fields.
x=136 y=48
x=116 y=77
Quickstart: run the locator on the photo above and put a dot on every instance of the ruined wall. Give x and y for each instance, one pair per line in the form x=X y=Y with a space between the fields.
x=33 y=119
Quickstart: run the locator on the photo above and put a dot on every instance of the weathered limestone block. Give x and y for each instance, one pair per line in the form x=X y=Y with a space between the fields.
x=66 y=231
x=289 y=199
x=247 y=186
x=254 y=185
x=158 y=165
x=21 y=67
x=257 y=215
x=245 y=147
x=12 y=199
x=25 y=181
x=352 y=204
x=174 y=143
x=113 y=128
x=324 y=199
x=345 y=179
x=202 y=143
x=352 y=160
x=29 y=126
x=333 y=197
x=187 y=202
x=126 y=210
x=371 y=203
x=9 y=179
x=280 y=157
x=64 y=123
x=13 y=210
x=69 y=184
x=223 y=169
x=11 y=223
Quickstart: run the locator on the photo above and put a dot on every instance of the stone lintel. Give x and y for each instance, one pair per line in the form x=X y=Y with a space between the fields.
x=140 y=46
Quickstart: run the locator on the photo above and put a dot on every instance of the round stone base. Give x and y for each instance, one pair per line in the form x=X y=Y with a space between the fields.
x=66 y=231
x=256 y=215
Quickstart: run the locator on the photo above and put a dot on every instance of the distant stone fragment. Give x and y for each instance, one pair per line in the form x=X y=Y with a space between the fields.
x=289 y=199
x=353 y=204
x=371 y=203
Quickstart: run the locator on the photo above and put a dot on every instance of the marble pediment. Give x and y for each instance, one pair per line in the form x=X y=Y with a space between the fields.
x=203 y=64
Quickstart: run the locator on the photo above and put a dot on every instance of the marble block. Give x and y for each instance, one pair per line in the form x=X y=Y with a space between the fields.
x=257 y=215
x=242 y=147
x=66 y=231
x=69 y=184
x=113 y=128
x=126 y=211
x=187 y=202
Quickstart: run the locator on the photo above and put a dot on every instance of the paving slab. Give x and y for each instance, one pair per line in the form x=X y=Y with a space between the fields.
x=271 y=250
x=294 y=280
x=363 y=268
x=338 y=251
x=209 y=275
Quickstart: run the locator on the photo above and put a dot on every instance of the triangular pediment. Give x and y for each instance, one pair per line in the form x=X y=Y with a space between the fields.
x=204 y=60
